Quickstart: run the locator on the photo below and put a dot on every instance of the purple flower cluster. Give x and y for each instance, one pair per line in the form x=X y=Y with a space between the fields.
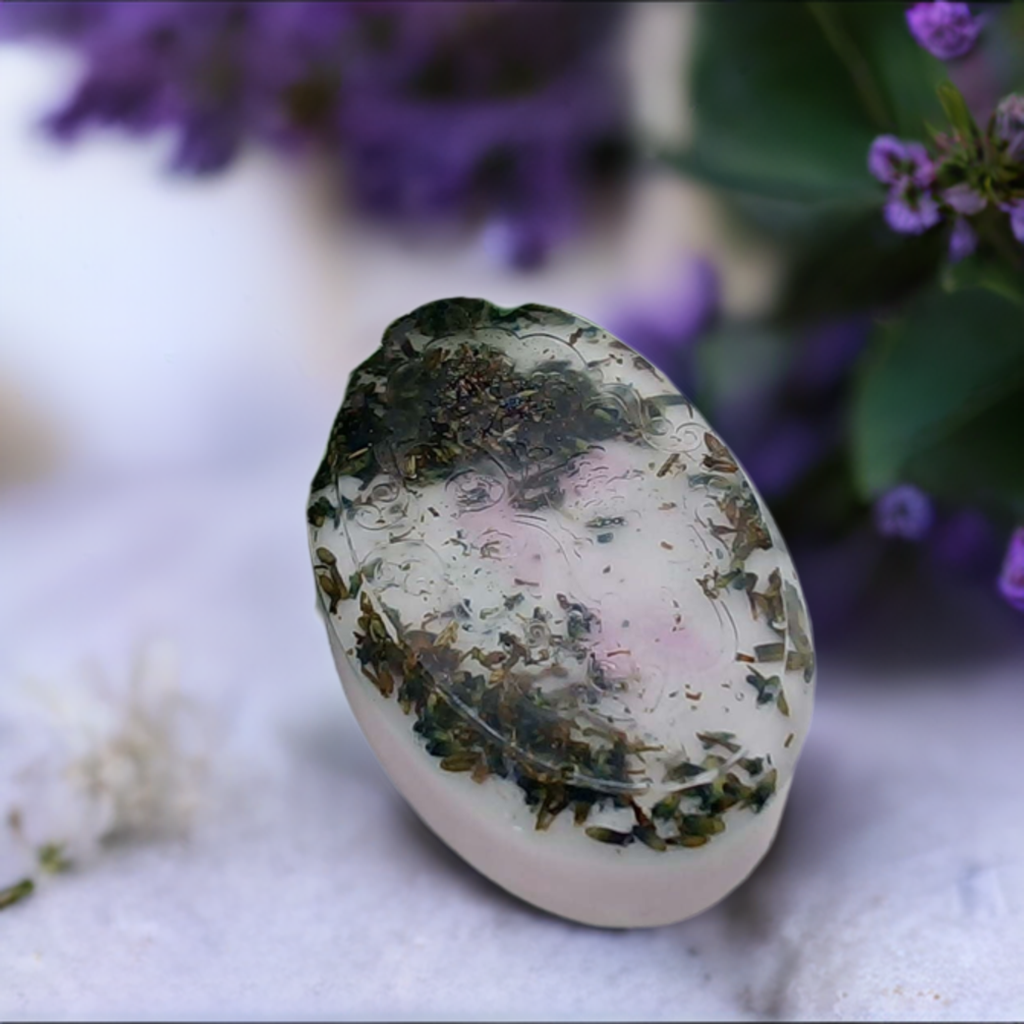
x=439 y=111
x=969 y=175
x=963 y=540
x=972 y=171
x=945 y=30
x=905 y=511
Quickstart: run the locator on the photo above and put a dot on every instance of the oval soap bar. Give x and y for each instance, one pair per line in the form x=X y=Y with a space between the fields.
x=562 y=615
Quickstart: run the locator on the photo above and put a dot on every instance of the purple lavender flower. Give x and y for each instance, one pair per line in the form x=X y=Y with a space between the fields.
x=894 y=162
x=910 y=210
x=836 y=575
x=1011 y=579
x=909 y=172
x=213 y=75
x=439 y=111
x=964 y=200
x=515 y=242
x=905 y=511
x=1016 y=211
x=945 y=30
x=1010 y=125
x=962 y=241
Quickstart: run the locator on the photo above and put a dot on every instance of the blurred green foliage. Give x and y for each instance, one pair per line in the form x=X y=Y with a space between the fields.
x=940 y=400
x=787 y=99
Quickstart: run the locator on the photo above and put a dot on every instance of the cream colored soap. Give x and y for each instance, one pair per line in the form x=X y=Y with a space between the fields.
x=562 y=615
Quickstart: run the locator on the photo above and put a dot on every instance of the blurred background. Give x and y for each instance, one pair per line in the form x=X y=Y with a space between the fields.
x=811 y=216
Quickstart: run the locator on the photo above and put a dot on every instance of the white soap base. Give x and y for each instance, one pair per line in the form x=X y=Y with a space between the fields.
x=587 y=882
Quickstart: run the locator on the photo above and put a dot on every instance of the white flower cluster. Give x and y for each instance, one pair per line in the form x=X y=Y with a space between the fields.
x=85 y=763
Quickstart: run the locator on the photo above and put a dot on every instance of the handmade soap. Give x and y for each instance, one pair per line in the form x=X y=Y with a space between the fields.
x=562 y=615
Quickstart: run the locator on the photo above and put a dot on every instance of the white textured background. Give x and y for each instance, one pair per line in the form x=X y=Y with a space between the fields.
x=173 y=352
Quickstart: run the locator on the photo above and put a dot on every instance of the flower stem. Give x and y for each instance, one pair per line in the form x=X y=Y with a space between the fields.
x=853 y=59
x=13 y=893
x=993 y=231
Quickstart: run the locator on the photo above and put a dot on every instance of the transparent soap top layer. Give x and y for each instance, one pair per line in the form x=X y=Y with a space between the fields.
x=525 y=535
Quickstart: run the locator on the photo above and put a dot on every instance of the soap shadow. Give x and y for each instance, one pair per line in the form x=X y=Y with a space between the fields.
x=436 y=855
x=810 y=832
x=818 y=821
x=336 y=749
x=916 y=630
x=821 y=820
x=333 y=746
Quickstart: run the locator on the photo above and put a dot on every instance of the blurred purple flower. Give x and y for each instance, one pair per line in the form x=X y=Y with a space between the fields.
x=962 y=240
x=509 y=111
x=785 y=451
x=964 y=200
x=784 y=425
x=1011 y=579
x=828 y=352
x=836 y=574
x=58 y=20
x=894 y=162
x=1016 y=212
x=663 y=325
x=525 y=161
x=1010 y=125
x=206 y=143
x=515 y=242
x=905 y=511
x=946 y=30
x=910 y=210
x=211 y=74
x=966 y=542
x=909 y=171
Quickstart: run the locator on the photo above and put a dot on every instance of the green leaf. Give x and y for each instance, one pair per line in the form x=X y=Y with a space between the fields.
x=941 y=400
x=858 y=262
x=955 y=106
x=994 y=274
x=787 y=97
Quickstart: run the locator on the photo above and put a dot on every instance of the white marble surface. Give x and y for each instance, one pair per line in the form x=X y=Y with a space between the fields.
x=306 y=887
x=189 y=343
